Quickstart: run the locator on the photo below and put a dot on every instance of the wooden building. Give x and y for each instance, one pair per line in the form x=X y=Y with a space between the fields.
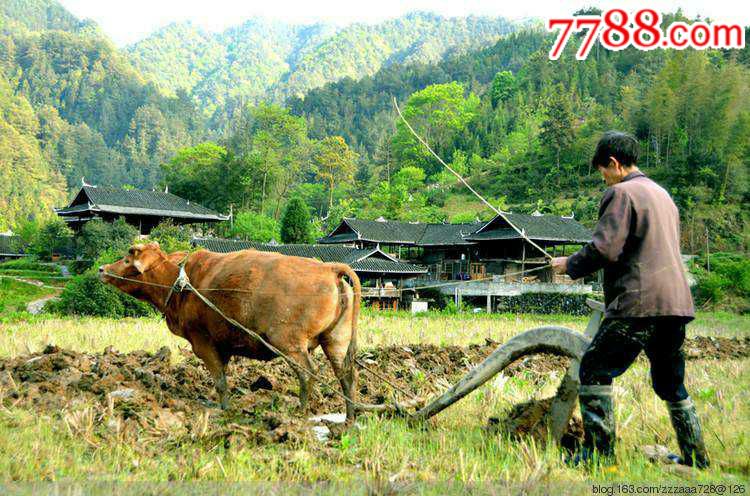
x=142 y=209
x=493 y=252
x=383 y=276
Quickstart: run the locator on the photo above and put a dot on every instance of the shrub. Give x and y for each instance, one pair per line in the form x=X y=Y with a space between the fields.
x=26 y=232
x=28 y=263
x=170 y=237
x=295 y=223
x=98 y=236
x=86 y=295
x=727 y=284
x=452 y=309
x=255 y=227
x=545 y=303
x=53 y=237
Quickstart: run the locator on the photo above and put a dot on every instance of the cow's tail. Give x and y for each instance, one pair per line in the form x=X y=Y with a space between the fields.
x=344 y=270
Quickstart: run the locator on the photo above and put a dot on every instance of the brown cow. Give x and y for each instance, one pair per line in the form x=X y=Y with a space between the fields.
x=294 y=303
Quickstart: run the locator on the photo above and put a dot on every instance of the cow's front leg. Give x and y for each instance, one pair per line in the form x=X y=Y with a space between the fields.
x=216 y=366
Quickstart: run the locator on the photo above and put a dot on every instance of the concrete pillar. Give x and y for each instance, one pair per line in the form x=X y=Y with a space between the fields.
x=489 y=303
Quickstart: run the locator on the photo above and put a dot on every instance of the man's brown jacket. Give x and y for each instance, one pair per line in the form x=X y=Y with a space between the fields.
x=637 y=243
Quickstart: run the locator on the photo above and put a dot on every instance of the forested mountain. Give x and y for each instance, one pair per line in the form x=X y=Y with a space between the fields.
x=274 y=60
x=88 y=110
x=29 y=184
x=38 y=15
x=308 y=112
x=362 y=110
x=528 y=127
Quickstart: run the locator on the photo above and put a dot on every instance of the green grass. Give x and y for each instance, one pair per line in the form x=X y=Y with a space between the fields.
x=387 y=453
x=28 y=264
x=15 y=295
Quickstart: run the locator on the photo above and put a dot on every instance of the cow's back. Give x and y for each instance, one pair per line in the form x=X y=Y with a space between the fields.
x=286 y=299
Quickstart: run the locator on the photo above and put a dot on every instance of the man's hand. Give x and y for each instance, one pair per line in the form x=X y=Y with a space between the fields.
x=559 y=265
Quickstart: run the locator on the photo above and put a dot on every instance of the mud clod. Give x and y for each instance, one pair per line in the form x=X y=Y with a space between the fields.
x=157 y=398
x=529 y=419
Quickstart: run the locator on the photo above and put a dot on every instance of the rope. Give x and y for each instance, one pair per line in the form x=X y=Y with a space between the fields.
x=465 y=183
x=182 y=282
x=188 y=286
x=271 y=347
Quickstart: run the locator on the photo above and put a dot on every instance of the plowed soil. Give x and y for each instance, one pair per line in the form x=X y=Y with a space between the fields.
x=153 y=398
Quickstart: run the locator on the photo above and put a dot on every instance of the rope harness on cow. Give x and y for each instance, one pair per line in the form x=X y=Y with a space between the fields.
x=182 y=283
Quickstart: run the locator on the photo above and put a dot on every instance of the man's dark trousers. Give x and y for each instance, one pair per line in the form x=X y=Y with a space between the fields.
x=618 y=343
x=614 y=348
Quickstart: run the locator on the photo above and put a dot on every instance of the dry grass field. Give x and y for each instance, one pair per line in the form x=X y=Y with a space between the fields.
x=76 y=441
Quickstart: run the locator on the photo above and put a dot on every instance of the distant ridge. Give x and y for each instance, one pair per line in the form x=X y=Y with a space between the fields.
x=271 y=59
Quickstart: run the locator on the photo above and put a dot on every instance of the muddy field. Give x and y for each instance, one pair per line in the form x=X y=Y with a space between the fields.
x=156 y=399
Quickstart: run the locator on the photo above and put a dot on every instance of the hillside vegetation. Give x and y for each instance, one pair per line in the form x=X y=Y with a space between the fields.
x=73 y=106
x=262 y=59
x=519 y=127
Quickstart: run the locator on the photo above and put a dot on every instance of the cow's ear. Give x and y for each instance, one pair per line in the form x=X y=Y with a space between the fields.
x=154 y=244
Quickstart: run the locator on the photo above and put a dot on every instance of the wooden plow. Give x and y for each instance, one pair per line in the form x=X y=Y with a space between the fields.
x=548 y=339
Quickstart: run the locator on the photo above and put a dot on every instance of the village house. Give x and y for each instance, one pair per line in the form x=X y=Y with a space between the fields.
x=493 y=254
x=10 y=246
x=140 y=208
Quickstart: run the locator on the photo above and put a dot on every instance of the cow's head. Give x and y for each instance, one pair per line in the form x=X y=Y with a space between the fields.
x=140 y=264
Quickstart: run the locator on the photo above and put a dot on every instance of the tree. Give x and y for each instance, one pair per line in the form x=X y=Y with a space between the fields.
x=97 y=236
x=295 y=223
x=503 y=86
x=557 y=129
x=53 y=237
x=171 y=237
x=274 y=145
x=255 y=227
x=438 y=113
x=205 y=173
x=334 y=163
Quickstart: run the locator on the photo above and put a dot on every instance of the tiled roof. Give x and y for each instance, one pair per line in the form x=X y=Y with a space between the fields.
x=536 y=227
x=367 y=260
x=137 y=202
x=448 y=234
x=389 y=231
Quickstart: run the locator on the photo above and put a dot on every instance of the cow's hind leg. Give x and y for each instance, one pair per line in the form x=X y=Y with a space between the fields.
x=302 y=360
x=216 y=365
x=335 y=344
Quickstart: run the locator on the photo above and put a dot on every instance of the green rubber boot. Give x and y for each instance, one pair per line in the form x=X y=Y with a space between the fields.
x=597 y=411
x=687 y=426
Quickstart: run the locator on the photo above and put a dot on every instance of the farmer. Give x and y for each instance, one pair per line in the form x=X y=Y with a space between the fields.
x=637 y=244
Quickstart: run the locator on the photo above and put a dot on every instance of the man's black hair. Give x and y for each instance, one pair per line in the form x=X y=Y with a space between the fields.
x=623 y=146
